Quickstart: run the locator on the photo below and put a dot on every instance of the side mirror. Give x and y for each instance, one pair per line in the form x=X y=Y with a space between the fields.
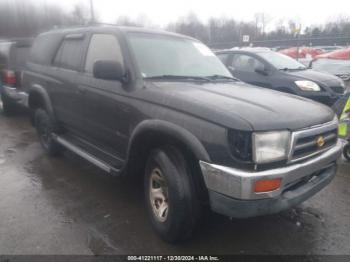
x=108 y=70
x=260 y=69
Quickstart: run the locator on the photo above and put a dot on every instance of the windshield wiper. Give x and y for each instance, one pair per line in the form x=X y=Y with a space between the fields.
x=179 y=77
x=291 y=69
x=220 y=77
x=284 y=69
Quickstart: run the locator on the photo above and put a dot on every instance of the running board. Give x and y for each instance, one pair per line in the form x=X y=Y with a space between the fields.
x=77 y=150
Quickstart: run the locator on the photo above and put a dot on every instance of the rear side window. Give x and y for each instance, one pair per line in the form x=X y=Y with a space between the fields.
x=19 y=56
x=44 y=48
x=103 y=47
x=69 y=54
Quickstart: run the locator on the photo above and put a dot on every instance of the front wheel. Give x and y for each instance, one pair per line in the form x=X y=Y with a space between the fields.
x=346 y=151
x=171 y=200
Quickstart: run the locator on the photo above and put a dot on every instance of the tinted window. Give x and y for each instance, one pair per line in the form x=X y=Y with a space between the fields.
x=245 y=63
x=19 y=57
x=69 y=54
x=44 y=48
x=103 y=47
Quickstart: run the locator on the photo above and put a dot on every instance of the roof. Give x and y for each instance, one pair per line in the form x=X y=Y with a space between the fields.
x=343 y=54
x=102 y=27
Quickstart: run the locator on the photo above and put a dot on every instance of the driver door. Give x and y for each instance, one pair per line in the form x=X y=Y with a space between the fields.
x=106 y=118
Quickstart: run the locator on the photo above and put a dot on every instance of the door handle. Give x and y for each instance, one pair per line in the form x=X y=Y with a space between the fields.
x=81 y=89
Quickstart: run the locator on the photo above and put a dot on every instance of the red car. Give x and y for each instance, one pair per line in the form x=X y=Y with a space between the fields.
x=303 y=54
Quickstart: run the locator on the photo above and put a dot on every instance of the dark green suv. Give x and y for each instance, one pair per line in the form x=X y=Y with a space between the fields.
x=163 y=108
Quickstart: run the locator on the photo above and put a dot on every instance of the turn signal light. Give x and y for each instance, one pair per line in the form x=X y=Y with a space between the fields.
x=267 y=185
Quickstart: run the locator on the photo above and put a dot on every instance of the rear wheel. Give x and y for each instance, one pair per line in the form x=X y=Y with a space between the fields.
x=8 y=106
x=45 y=128
x=171 y=201
x=346 y=151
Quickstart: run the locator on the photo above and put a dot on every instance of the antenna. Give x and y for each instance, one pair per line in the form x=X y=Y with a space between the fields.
x=92 y=11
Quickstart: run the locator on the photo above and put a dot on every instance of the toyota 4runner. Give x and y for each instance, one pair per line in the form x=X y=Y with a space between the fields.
x=162 y=107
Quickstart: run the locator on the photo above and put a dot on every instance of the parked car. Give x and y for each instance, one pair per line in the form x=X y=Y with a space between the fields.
x=13 y=55
x=303 y=54
x=336 y=63
x=163 y=108
x=279 y=72
x=328 y=48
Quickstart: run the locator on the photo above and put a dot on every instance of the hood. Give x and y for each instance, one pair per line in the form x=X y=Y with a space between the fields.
x=322 y=78
x=238 y=105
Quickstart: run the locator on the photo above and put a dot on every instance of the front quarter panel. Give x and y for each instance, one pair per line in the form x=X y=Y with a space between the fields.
x=211 y=136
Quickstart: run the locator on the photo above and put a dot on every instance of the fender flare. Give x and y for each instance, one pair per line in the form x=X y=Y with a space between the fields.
x=40 y=90
x=172 y=130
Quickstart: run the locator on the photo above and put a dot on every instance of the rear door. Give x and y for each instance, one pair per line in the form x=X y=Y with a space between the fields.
x=243 y=67
x=106 y=112
x=66 y=97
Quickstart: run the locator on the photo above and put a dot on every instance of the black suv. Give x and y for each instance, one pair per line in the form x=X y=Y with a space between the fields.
x=279 y=72
x=163 y=108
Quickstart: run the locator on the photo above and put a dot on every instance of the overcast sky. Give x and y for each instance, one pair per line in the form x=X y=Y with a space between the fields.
x=164 y=11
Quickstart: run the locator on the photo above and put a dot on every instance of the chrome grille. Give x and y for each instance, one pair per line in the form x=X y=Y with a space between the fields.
x=304 y=142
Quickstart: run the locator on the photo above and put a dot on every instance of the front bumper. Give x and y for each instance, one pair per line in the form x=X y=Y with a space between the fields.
x=231 y=191
x=16 y=95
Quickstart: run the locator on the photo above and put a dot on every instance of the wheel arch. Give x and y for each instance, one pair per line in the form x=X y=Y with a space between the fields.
x=39 y=98
x=151 y=134
x=161 y=129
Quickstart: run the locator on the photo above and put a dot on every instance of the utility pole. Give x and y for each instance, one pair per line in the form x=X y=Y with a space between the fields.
x=92 y=11
x=297 y=32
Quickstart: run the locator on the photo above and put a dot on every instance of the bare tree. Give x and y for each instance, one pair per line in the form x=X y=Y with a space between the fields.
x=26 y=18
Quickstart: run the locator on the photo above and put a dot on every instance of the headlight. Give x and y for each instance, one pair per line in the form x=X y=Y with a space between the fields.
x=306 y=85
x=270 y=146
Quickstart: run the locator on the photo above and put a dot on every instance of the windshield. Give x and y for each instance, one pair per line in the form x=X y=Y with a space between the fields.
x=282 y=62
x=159 y=55
x=332 y=66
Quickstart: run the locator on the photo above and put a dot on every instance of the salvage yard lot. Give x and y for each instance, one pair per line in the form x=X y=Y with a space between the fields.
x=66 y=206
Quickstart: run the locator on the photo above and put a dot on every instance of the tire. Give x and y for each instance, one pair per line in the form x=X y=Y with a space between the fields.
x=346 y=151
x=8 y=106
x=45 y=128
x=179 y=220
